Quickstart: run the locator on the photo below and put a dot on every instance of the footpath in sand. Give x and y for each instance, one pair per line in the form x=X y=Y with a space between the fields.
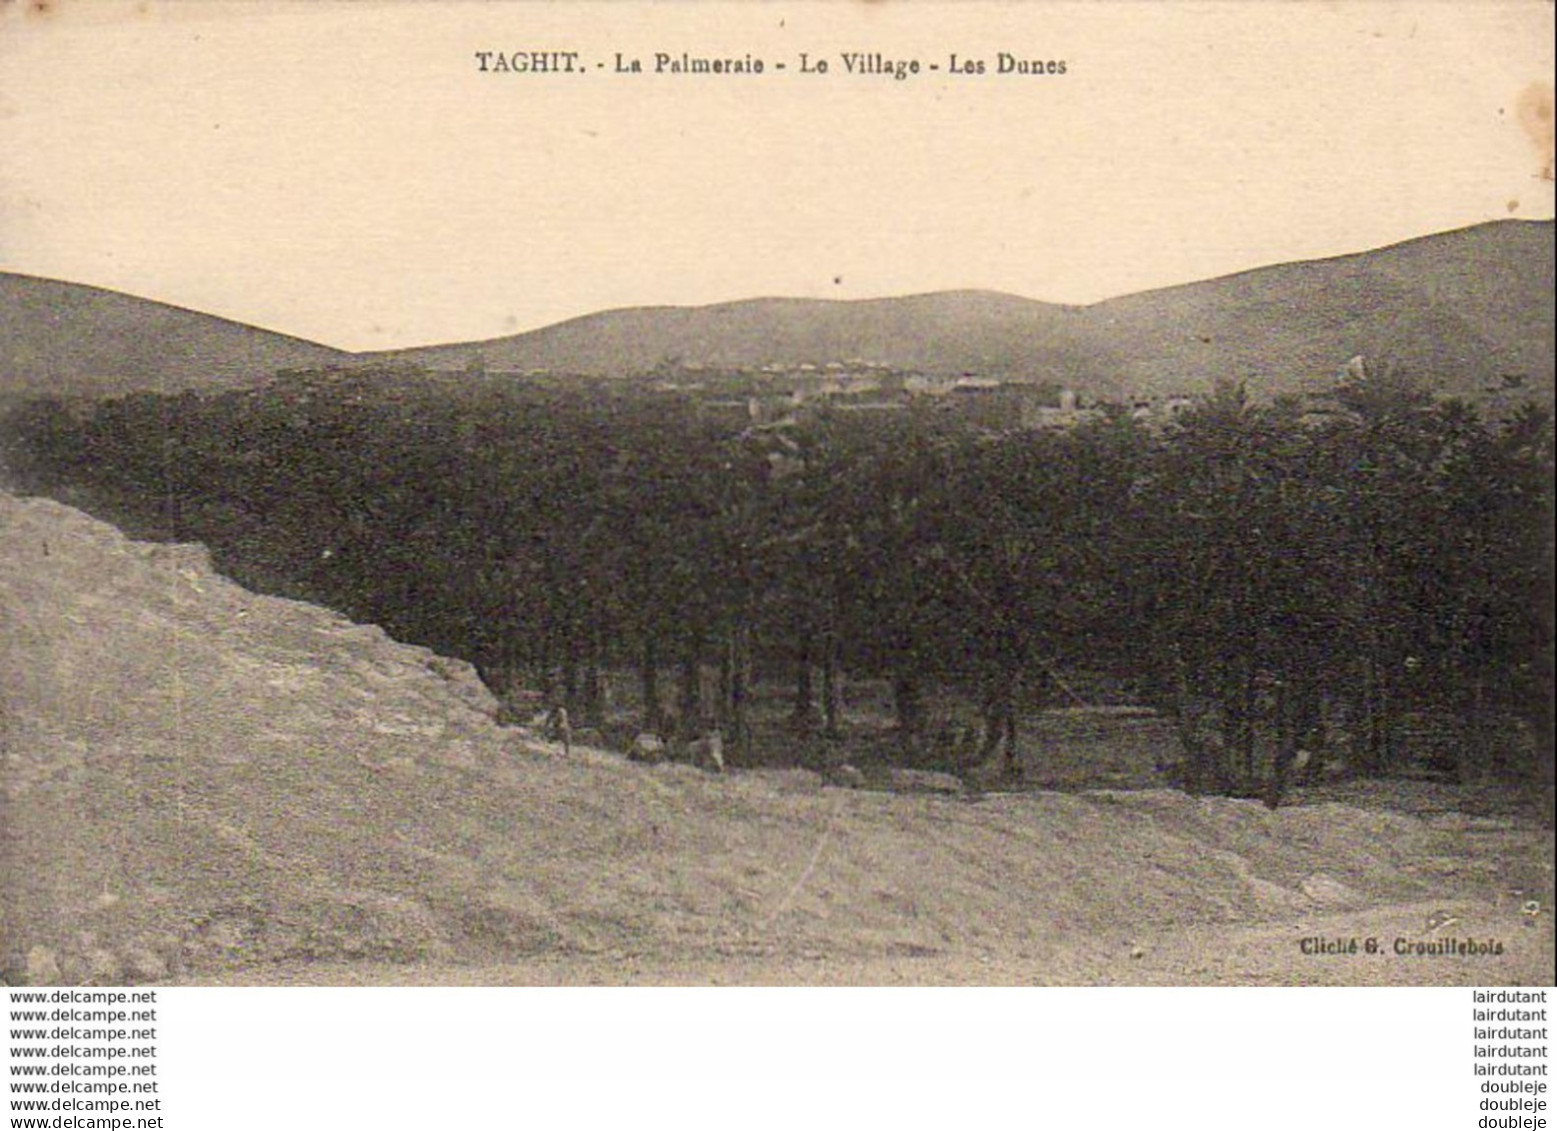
x=203 y=785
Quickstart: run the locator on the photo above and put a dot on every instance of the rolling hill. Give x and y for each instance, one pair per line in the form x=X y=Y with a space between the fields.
x=1470 y=310
x=1461 y=309
x=65 y=338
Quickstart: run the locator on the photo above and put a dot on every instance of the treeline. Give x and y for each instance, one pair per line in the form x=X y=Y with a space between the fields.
x=1258 y=571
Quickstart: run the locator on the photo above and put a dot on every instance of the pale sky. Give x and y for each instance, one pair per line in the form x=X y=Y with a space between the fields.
x=343 y=172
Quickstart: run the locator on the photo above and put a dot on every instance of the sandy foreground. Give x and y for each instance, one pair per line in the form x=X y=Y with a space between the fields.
x=200 y=785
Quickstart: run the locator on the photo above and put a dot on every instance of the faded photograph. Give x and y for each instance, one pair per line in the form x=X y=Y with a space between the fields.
x=778 y=494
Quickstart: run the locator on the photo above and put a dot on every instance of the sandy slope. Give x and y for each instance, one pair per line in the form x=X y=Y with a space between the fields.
x=205 y=785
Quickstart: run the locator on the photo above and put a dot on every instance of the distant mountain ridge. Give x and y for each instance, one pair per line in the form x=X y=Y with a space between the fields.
x=1468 y=310
x=945 y=332
x=1460 y=308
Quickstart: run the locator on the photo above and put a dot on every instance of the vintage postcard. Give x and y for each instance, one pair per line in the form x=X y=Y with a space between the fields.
x=891 y=493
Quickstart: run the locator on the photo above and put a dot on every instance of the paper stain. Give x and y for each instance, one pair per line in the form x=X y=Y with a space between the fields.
x=47 y=9
x=39 y=9
x=57 y=13
x=1533 y=112
x=45 y=13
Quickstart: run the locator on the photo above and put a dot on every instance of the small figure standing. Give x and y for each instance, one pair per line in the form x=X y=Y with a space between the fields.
x=707 y=753
x=558 y=729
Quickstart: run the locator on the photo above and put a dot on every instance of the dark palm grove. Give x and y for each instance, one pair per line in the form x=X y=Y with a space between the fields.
x=1299 y=584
